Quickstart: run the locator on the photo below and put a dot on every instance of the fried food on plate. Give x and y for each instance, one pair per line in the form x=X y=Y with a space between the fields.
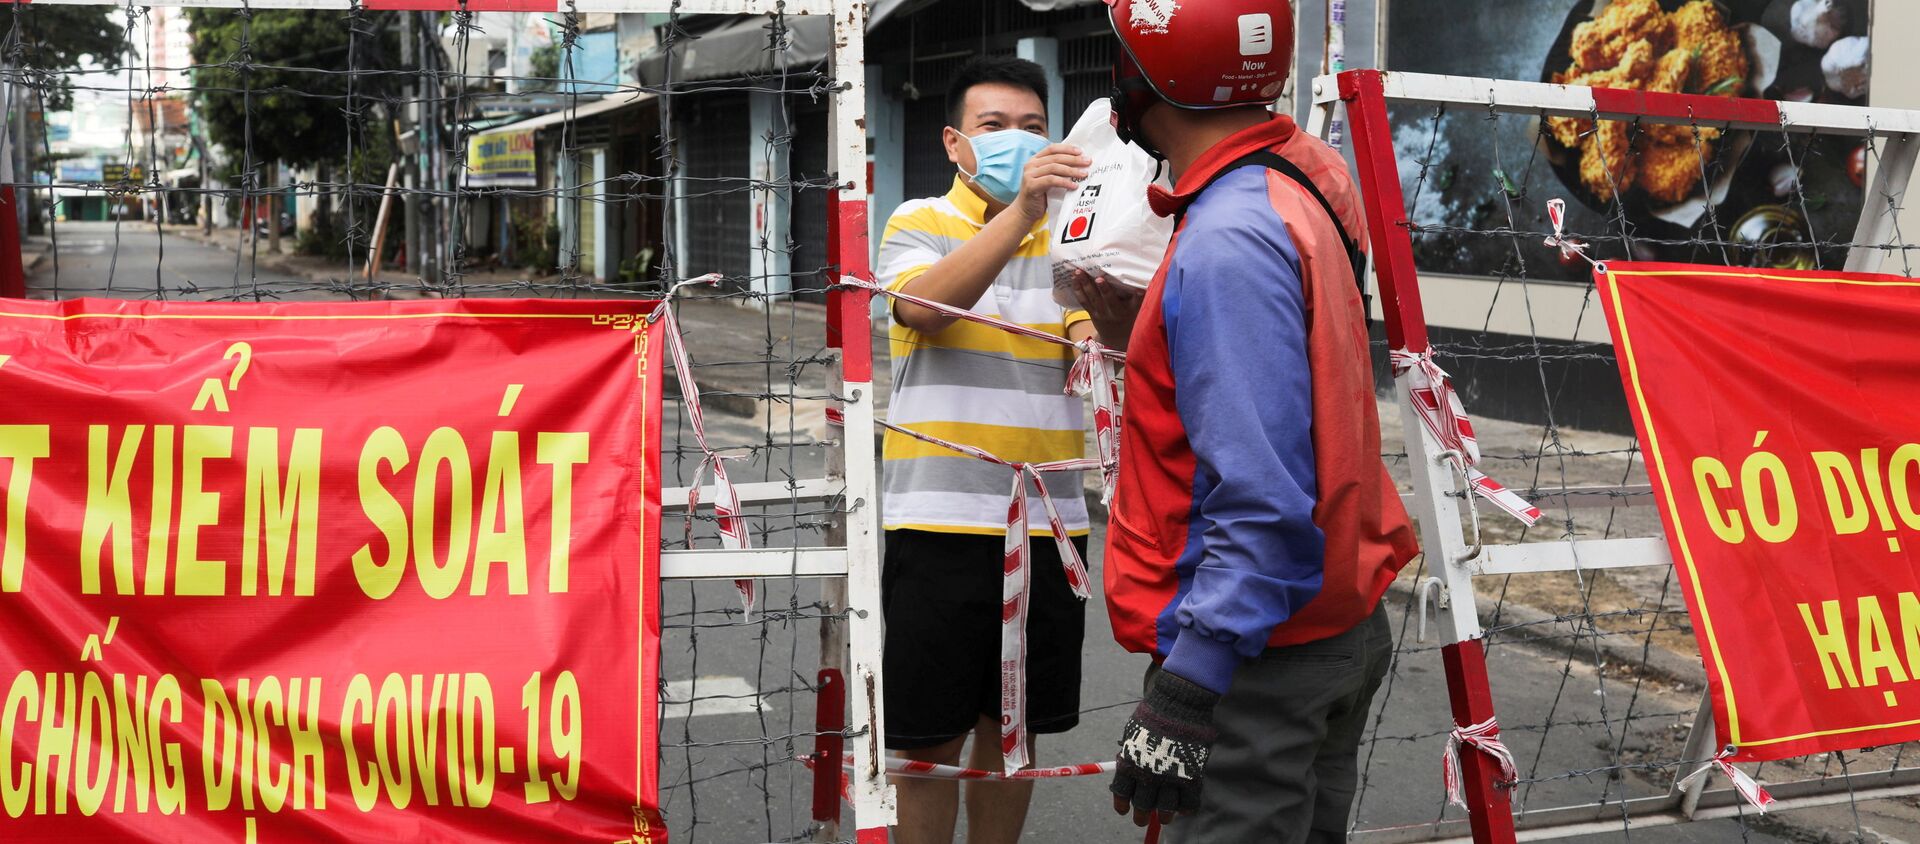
x=1635 y=45
x=1636 y=65
x=1671 y=76
x=1567 y=130
x=1670 y=172
x=1599 y=43
x=1607 y=162
x=1695 y=21
x=1721 y=65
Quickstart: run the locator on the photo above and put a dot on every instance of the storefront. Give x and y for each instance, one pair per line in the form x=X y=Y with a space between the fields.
x=560 y=192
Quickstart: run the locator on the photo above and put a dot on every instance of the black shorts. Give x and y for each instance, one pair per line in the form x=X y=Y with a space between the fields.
x=941 y=596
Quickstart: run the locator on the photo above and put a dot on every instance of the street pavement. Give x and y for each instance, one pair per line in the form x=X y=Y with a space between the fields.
x=129 y=259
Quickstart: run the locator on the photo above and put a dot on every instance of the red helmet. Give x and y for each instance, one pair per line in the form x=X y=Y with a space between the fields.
x=1206 y=53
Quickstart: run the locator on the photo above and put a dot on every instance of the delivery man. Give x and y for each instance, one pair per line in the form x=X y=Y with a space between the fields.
x=1254 y=528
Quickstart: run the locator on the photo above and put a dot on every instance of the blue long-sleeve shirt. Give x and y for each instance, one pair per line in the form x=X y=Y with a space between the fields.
x=1236 y=335
x=1252 y=509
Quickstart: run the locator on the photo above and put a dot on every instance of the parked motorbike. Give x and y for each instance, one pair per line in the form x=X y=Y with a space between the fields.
x=286 y=225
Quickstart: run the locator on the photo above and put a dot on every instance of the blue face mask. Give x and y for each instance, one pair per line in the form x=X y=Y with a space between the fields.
x=1001 y=158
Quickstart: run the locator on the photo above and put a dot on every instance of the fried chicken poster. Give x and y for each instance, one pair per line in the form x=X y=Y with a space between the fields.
x=1682 y=192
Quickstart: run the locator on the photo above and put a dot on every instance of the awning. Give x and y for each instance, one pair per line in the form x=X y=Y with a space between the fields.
x=742 y=46
x=587 y=108
x=503 y=155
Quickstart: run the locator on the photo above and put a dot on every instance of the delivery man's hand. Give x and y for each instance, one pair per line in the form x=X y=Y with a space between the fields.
x=1164 y=749
x=1113 y=306
x=1057 y=168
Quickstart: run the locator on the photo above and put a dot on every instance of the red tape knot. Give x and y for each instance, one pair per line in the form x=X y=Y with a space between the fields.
x=1569 y=248
x=1440 y=411
x=1484 y=737
x=1750 y=790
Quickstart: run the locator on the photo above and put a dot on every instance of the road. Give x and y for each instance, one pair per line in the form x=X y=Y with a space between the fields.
x=131 y=260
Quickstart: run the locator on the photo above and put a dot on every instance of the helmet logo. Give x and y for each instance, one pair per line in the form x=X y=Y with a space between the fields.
x=1152 y=17
x=1256 y=34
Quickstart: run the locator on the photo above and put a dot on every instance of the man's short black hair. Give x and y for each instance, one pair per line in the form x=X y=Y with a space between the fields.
x=982 y=70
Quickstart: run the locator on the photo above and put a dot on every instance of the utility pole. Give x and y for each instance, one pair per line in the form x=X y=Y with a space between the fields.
x=201 y=146
x=410 y=126
x=12 y=274
x=274 y=204
x=427 y=132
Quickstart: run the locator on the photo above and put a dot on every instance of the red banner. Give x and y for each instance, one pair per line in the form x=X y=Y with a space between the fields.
x=1775 y=411
x=355 y=572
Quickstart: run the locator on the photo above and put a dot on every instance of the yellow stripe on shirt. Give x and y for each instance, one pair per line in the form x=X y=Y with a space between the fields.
x=1013 y=444
x=975 y=337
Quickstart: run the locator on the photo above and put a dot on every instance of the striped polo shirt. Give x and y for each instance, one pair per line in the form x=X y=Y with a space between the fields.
x=976 y=385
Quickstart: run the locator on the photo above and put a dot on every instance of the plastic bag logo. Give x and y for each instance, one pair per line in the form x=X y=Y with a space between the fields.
x=1152 y=17
x=1078 y=229
x=1080 y=219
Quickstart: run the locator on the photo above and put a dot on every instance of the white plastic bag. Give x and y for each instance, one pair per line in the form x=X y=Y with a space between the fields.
x=1104 y=226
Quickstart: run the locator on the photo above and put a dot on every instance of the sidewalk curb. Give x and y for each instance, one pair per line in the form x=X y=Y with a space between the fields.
x=1555 y=634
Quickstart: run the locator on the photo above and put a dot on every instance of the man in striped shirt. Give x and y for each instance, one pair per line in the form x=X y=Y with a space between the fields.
x=982 y=246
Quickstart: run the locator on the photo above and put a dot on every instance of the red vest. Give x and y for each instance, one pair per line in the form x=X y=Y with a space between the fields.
x=1368 y=537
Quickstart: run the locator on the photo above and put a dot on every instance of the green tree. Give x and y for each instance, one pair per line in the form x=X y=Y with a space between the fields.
x=544 y=64
x=276 y=87
x=310 y=88
x=58 y=40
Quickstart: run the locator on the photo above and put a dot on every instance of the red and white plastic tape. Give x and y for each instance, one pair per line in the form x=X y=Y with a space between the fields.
x=726 y=505
x=1569 y=247
x=1753 y=792
x=1439 y=409
x=927 y=770
x=1484 y=737
x=1092 y=374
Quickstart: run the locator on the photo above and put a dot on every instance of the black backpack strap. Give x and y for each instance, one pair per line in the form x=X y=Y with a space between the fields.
x=1279 y=164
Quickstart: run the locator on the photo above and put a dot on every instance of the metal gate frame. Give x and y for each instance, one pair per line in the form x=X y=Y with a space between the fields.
x=1436 y=499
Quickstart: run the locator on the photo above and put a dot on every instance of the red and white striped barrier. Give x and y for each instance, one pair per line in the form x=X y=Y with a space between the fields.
x=726 y=505
x=1017 y=582
x=1439 y=409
